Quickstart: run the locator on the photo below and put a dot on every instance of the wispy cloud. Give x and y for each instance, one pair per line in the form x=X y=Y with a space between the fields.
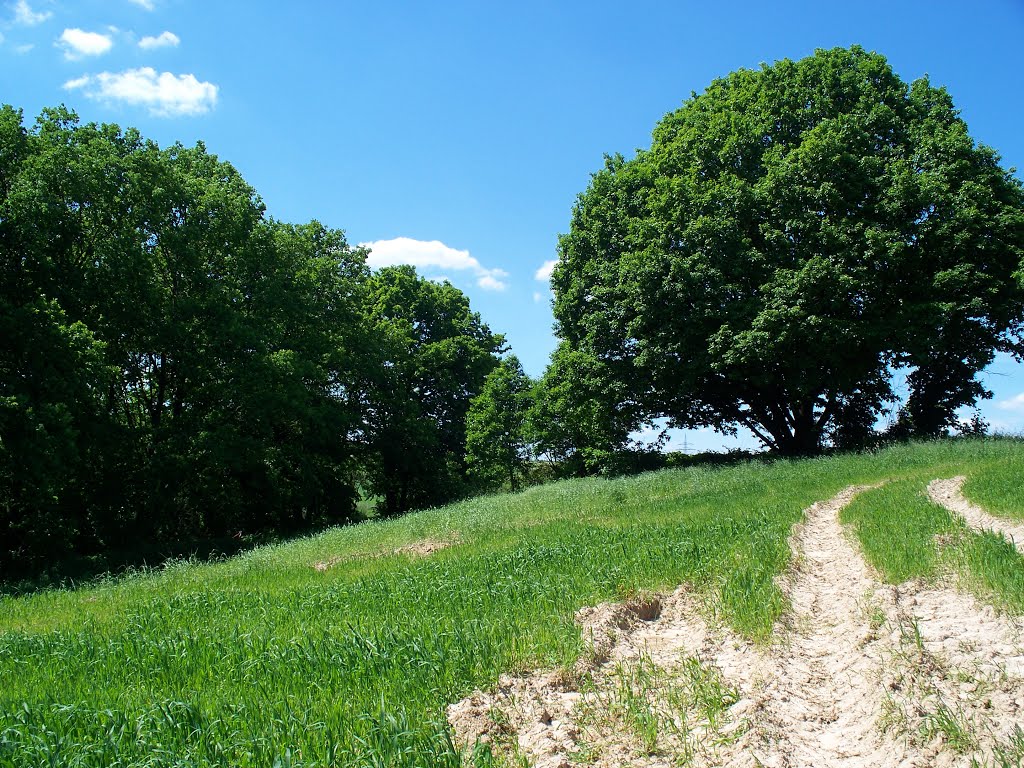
x=147 y=4
x=543 y=272
x=24 y=15
x=427 y=254
x=1015 y=403
x=23 y=49
x=78 y=43
x=163 y=40
x=163 y=94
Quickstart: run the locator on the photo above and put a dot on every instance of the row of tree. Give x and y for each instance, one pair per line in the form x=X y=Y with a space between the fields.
x=174 y=364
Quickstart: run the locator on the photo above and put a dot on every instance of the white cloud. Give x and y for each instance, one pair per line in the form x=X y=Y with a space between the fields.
x=1015 y=403
x=164 y=94
x=426 y=254
x=23 y=14
x=538 y=297
x=163 y=40
x=147 y=4
x=543 y=273
x=491 y=283
x=79 y=43
x=78 y=82
x=23 y=49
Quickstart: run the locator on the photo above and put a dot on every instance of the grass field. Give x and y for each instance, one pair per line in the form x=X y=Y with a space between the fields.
x=269 y=660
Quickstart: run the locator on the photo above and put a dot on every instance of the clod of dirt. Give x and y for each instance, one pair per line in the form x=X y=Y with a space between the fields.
x=949 y=494
x=423 y=548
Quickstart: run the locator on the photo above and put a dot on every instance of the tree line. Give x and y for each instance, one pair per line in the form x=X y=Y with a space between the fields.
x=176 y=364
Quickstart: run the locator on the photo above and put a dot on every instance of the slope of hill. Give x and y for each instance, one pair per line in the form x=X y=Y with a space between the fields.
x=350 y=647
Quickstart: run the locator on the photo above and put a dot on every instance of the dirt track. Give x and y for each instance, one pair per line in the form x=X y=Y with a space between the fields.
x=860 y=675
x=949 y=494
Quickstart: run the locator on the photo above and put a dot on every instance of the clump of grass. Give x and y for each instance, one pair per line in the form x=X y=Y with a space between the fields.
x=1007 y=753
x=906 y=536
x=997 y=488
x=897 y=527
x=993 y=568
x=680 y=711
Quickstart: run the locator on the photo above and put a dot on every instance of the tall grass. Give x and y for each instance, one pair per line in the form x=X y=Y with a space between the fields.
x=264 y=660
x=999 y=488
x=906 y=536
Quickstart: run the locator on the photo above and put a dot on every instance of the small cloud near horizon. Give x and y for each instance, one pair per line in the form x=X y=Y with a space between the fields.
x=163 y=94
x=1015 y=403
x=426 y=254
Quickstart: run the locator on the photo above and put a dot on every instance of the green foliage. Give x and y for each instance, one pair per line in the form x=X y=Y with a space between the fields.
x=434 y=355
x=173 y=364
x=792 y=234
x=577 y=421
x=497 y=450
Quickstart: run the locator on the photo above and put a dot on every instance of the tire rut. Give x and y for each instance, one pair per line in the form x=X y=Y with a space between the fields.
x=821 y=702
x=949 y=494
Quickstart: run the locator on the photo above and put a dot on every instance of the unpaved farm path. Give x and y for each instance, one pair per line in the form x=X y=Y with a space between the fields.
x=821 y=699
x=861 y=675
x=949 y=494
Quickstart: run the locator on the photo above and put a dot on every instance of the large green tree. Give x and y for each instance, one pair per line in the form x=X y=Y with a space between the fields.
x=173 y=364
x=434 y=356
x=497 y=445
x=792 y=236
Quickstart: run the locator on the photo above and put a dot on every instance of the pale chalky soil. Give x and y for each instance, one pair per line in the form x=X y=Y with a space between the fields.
x=949 y=494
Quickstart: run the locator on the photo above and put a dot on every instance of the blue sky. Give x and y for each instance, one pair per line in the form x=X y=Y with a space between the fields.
x=456 y=135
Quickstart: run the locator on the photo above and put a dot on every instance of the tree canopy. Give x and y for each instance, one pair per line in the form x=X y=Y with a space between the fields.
x=434 y=356
x=176 y=365
x=497 y=448
x=792 y=236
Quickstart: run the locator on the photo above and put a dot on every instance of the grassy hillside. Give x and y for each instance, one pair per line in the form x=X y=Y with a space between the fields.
x=344 y=648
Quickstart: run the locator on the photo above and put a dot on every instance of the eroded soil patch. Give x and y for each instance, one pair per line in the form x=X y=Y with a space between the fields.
x=949 y=494
x=422 y=548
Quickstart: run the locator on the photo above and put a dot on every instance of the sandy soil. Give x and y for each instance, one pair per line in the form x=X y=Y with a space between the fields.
x=949 y=494
x=860 y=675
x=422 y=548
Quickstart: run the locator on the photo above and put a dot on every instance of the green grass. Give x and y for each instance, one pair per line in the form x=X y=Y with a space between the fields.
x=262 y=660
x=999 y=488
x=905 y=536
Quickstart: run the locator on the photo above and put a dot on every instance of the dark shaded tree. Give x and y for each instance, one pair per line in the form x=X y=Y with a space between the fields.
x=435 y=355
x=173 y=364
x=498 y=450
